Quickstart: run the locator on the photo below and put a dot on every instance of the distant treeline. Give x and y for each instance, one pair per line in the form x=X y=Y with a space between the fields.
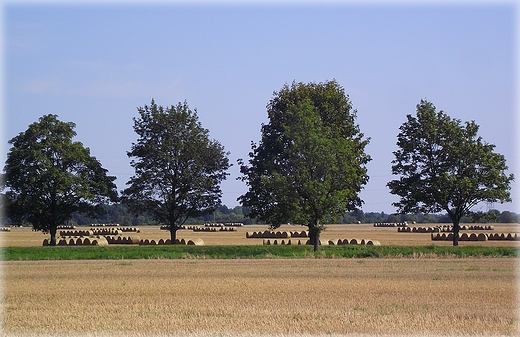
x=118 y=213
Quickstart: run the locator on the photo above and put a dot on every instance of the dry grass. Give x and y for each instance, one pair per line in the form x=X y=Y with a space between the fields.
x=261 y=297
x=386 y=236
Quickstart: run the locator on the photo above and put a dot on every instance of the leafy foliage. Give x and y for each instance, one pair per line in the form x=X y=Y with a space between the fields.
x=309 y=164
x=178 y=169
x=49 y=177
x=445 y=166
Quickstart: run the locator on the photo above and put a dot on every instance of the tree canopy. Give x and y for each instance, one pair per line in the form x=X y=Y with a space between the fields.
x=49 y=177
x=310 y=163
x=445 y=166
x=178 y=169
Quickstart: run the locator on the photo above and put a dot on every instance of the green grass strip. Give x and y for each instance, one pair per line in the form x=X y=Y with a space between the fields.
x=245 y=252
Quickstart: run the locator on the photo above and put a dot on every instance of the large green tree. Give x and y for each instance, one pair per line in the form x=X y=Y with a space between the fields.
x=48 y=177
x=178 y=169
x=309 y=166
x=445 y=166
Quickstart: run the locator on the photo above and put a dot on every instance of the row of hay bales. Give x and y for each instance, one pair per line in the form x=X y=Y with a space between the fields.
x=390 y=224
x=86 y=232
x=66 y=227
x=190 y=242
x=104 y=225
x=122 y=240
x=444 y=229
x=81 y=241
x=212 y=229
x=477 y=236
x=5 y=229
x=129 y=229
x=226 y=224
x=334 y=242
x=278 y=235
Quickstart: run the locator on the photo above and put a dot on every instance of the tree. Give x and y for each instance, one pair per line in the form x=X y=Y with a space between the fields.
x=310 y=163
x=49 y=177
x=178 y=169
x=444 y=165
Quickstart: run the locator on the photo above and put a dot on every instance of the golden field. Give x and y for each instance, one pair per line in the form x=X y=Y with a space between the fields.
x=261 y=297
x=386 y=236
x=282 y=297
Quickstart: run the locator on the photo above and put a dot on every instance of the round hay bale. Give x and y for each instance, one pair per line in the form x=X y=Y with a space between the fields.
x=62 y=242
x=161 y=242
x=86 y=242
x=510 y=236
x=464 y=237
x=99 y=242
x=183 y=242
x=45 y=242
x=70 y=242
x=275 y=242
x=195 y=242
x=482 y=237
x=373 y=243
x=134 y=240
x=354 y=241
x=331 y=243
x=153 y=242
x=473 y=237
x=146 y=242
x=168 y=242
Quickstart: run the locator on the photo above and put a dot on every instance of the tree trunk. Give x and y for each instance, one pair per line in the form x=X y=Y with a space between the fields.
x=456 y=230
x=173 y=234
x=314 y=235
x=317 y=242
x=52 y=231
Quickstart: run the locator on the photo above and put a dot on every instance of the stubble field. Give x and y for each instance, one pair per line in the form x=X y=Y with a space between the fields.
x=283 y=297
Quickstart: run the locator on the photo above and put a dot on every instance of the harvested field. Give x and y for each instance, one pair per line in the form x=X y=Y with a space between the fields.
x=261 y=297
x=385 y=235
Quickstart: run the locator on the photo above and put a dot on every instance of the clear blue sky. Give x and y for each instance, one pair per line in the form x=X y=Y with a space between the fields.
x=95 y=64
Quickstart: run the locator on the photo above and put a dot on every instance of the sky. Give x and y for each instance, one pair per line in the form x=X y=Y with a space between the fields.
x=94 y=64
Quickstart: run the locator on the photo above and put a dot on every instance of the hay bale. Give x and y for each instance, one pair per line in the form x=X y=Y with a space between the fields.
x=161 y=242
x=153 y=242
x=464 y=237
x=354 y=241
x=86 y=242
x=331 y=243
x=62 y=242
x=373 y=243
x=45 y=242
x=168 y=242
x=195 y=242
x=473 y=237
x=482 y=237
x=99 y=242
x=134 y=239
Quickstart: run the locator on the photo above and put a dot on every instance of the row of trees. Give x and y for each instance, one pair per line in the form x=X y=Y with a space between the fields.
x=120 y=213
x=307 y=169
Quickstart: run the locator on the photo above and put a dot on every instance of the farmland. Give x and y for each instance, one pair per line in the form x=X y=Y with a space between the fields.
x=429 y=295
x=23 y=237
